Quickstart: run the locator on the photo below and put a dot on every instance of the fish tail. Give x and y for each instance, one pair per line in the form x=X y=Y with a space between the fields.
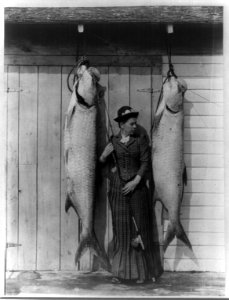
x=180 y=234
x=90 y=241
x=69 y=203
x=177 y=230
x=170 y=235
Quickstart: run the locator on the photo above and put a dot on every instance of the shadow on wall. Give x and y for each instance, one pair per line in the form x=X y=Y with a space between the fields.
x=183 y=251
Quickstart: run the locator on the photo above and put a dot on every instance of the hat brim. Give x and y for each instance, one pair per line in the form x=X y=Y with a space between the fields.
x=126 y=116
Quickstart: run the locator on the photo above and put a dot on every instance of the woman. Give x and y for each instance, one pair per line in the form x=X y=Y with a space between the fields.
x=133 y=255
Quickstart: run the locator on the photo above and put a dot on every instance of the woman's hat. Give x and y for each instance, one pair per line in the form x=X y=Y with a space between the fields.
x=124 y=113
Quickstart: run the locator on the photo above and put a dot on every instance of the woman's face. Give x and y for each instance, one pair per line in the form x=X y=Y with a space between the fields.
x=129 y=127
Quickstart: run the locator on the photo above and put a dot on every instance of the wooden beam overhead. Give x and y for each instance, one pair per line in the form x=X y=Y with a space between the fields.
x=139 y=14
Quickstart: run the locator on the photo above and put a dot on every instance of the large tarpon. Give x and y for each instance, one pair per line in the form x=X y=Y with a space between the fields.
x=169 y=170
x=80 y=156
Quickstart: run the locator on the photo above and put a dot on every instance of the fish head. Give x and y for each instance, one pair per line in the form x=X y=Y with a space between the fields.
x=173 y=93
x=88 y=79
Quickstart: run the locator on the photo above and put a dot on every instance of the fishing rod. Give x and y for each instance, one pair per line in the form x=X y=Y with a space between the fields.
x=138 y=240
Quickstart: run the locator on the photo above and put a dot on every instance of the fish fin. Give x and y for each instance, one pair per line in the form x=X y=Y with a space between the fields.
x=68 y=203
x=69 y=116
x=90 y=241
x=185 y=177
x=178 y=231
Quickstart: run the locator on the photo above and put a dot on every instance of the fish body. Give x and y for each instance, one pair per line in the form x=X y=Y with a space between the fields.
x=80 y=161
x=167 y=157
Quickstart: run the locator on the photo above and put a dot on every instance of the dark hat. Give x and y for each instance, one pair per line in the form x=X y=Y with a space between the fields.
x=124 y=113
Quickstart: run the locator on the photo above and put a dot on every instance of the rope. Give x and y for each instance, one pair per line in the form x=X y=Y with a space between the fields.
x=171 y=71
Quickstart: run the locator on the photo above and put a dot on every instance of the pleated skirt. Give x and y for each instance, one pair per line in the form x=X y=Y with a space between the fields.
x=128 y=262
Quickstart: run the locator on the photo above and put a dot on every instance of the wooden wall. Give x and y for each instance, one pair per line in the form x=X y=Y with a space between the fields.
x=37 y=61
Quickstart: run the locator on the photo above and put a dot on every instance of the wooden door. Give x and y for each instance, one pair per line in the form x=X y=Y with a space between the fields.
x=40 y=235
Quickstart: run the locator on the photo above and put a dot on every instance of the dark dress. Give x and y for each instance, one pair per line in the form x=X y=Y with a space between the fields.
x=128 y=262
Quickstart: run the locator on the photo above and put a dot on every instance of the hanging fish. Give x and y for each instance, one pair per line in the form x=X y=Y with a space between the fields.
x=80 y=156
x=169 y=170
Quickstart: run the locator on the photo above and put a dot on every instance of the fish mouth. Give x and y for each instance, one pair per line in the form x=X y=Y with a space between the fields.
x=171 y=110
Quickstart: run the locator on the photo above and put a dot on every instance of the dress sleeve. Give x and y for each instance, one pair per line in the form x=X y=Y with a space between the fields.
x=144 y=156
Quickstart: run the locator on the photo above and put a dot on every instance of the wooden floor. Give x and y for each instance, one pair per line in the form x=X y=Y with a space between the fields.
x=99 y=284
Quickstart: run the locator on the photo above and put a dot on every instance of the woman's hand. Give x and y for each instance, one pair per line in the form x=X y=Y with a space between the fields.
x=106 y=152
x=131 y=185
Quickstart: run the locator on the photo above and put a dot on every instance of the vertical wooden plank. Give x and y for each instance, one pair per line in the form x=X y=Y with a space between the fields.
x=69 y=221
x=101 y=222
x=118 y=92
x=109 y=227
x=27 y=217
x=12 y=166
x=102 y=118
x=3 y=134
x=48 y=236
x=140 y=78
x=28 y=115
x=27 y=167
x=226 y=147
x=158 y=208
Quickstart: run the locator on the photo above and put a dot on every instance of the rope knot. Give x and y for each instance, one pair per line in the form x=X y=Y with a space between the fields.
x=171 y=71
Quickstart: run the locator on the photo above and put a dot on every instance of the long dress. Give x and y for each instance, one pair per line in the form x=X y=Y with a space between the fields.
x=128 y=262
